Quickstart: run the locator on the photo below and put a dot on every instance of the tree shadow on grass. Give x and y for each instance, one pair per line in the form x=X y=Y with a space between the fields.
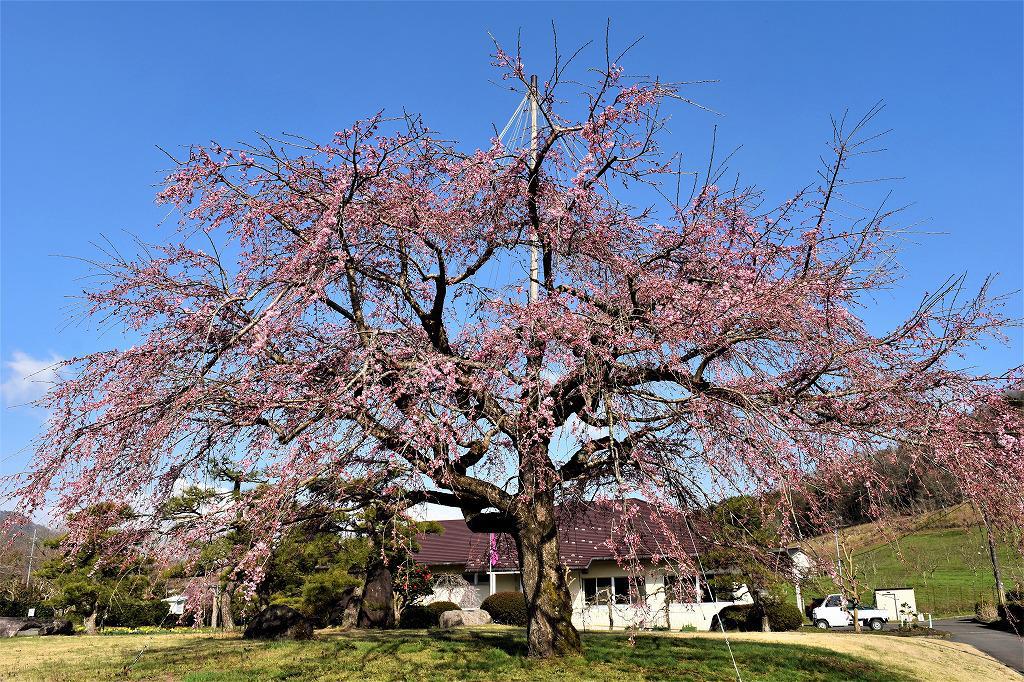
x=484 y=654
x=359 y=649
x=439 y=654
x=196 y=652
x=231 y=659
x=512 y=642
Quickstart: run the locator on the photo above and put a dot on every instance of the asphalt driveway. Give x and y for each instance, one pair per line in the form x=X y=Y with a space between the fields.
x=999 y=644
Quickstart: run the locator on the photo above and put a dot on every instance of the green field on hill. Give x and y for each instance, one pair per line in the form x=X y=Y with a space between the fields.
x=942 y=555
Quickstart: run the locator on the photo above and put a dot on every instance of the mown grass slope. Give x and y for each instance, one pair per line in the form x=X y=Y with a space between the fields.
x=943 y=555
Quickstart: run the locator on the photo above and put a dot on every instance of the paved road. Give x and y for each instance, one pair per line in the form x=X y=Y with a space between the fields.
x=999 y=644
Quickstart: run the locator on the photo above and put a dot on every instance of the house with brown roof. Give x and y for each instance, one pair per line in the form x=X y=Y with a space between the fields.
x=620 y=558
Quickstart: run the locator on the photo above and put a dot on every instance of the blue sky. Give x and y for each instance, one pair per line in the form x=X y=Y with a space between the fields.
x=89 y=90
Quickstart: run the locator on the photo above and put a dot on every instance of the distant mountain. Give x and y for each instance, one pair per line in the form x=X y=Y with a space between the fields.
x=22 y=532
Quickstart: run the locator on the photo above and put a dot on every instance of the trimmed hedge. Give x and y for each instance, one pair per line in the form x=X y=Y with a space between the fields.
x=732 y=618
x=439 y=607
x=419 y=616
x=133 y=614
x=18 y=608
x=782 y=616
x=416 y=616
x=507 y=608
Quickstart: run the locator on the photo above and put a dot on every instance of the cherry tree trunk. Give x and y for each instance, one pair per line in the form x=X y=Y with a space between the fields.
x=549 y=628
x=90 y=623
x=225 y=609
x=997 y=574
x=759 y=605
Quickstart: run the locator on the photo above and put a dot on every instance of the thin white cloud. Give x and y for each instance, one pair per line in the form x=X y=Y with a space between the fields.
x=28 y=378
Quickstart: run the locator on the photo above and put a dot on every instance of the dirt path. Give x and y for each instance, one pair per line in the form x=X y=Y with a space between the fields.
x=927 y=659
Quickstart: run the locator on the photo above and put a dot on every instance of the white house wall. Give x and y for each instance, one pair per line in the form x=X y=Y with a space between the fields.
x=677 y=616
x=654 y=615
x=507 y=582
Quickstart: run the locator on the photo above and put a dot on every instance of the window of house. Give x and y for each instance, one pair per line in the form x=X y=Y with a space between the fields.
x=605 y=590
x=597 y=590
x=719 y=593
x=623 y=595
x=674 y=592
x=475 y=578
x=678 y=590
x=681 y=590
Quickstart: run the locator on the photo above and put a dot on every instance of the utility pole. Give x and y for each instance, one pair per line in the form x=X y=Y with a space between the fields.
x=31 y=556
x=534 y=277
x=839 y=558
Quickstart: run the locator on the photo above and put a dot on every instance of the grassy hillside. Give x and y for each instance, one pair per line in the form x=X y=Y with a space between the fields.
x=943 y=555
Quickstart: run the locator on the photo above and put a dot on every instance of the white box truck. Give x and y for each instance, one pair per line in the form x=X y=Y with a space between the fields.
x=899 y=602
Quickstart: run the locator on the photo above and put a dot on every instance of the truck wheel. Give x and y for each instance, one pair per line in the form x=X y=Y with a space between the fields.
x=821 y=624
x=875 y=624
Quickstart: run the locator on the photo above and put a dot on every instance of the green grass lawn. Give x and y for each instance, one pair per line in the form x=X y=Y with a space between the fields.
x=484 y=654
x=948 y=567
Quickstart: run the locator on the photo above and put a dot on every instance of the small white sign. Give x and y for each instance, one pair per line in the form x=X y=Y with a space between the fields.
x=31 y=613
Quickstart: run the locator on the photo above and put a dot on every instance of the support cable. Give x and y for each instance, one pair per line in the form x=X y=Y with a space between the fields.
x=514 y=117
x=721 y=625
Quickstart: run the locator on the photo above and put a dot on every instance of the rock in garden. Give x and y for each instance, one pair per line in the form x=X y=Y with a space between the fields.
x=58 y=626
x=279 y=622
x=456 y=619
x=10 y=627
x=349 y=603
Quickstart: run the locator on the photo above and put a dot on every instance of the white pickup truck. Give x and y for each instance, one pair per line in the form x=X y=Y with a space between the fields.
x=838 y=612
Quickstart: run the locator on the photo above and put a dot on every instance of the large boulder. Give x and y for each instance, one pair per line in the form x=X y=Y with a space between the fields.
x=10 y=627
x=279 y=622
x=466 y=618
x=58 y=626
x=349 y=604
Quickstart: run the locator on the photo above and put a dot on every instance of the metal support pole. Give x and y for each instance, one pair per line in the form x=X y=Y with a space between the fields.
x=534 y=270
x=31 y=556
x=839 y=558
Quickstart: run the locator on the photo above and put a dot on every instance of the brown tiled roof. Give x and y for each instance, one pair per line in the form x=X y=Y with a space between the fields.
x=449 y=548
x=586 y=532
